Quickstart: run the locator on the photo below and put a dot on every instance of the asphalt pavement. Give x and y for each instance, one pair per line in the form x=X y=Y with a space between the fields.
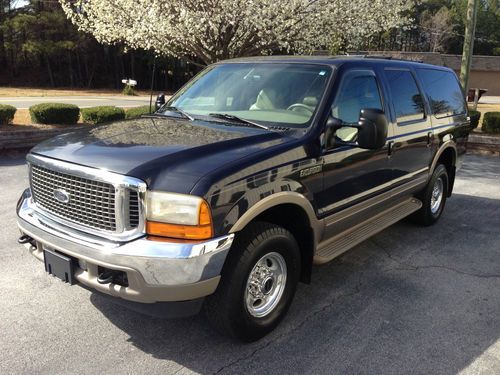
x=82 y=101
x=410 y=300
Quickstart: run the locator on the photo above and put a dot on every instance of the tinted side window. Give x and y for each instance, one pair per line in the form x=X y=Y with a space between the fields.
x=406 y=97
x=443 y=90
x=358 y=90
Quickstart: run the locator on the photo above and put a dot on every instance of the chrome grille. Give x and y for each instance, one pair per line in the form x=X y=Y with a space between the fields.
x=133 y=206
x=91 y=203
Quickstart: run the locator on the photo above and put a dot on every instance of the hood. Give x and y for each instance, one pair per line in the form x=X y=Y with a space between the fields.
x=167 y=153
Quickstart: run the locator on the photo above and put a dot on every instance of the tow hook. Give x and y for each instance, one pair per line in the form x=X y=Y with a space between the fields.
x=26 y=239
x=105 y=277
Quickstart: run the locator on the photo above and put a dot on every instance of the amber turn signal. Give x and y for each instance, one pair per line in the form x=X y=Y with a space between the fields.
x=202 y=231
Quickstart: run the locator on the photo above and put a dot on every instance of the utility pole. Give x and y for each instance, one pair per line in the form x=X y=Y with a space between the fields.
x=470 y=30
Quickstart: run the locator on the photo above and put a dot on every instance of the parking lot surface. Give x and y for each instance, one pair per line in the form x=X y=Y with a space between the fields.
x=409 y=300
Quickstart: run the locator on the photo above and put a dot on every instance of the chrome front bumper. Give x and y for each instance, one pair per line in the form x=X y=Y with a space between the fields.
x=157 y=271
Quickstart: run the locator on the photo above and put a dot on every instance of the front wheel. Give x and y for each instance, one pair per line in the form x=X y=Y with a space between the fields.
x=433 y=198
x=258 y=283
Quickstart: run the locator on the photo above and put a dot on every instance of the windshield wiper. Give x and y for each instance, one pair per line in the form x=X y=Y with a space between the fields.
x=178 y=110
x=227 y=116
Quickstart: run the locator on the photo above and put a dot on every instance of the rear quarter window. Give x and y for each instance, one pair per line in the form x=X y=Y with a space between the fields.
x=443 y=91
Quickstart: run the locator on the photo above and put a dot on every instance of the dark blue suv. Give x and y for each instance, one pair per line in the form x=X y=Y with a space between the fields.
x=257 y=169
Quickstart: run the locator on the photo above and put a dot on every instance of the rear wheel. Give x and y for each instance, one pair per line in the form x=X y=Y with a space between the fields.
x=433 y=197
x=258 y=283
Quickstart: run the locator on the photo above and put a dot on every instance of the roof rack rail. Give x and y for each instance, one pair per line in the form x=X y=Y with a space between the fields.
x=386 y=57
x=382 y=57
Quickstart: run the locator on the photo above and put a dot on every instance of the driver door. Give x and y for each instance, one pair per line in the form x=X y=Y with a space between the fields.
x=352 y=174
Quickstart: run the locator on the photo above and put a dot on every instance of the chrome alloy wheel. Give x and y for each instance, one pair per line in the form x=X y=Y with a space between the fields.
x=265 y=285
x=437 y=195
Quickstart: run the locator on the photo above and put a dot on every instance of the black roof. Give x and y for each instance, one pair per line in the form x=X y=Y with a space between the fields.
x=334 y=60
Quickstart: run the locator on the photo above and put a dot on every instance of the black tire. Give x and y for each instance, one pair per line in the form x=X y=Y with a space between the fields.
x=227 y=309
x=426 y=215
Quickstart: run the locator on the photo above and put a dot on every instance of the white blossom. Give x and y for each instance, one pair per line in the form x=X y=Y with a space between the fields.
x=211 y=30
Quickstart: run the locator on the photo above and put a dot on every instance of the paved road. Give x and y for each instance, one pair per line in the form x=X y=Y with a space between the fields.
x=81 y=101
x=489 y=99
x=410 y=300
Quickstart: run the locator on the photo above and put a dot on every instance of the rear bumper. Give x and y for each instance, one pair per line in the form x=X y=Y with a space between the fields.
x=156 y=271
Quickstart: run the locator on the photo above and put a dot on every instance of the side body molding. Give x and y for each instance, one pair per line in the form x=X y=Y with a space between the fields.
x=278 y=199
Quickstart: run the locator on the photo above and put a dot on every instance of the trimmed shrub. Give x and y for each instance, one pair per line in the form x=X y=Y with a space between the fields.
x=491 y=123
x=7 y=113
x=54 y=113
x=138 y=111
x=102 y=114
x=474 y=118
x=128 y=90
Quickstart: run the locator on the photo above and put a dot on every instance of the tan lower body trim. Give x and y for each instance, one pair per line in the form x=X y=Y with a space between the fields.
x=379 y=199
x=376 y=189
x=138 y=290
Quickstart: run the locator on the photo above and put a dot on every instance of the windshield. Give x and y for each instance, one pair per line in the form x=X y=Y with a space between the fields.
x=269 y=94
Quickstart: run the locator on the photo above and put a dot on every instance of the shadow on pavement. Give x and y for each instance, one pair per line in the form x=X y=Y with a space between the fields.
x=12 y=157
x=408 y=300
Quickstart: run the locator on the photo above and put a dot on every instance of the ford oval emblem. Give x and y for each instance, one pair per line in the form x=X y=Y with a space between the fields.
x=61 y=195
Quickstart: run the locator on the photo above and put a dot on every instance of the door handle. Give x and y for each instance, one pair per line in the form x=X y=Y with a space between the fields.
x=430 y=136
x=390 y=148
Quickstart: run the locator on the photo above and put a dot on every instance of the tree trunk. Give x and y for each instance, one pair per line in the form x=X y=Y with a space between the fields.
x=132 y=65
x=91 y=75
x=49 y=70
x=122 y=70
x=115 y=71
x=3 y=17
x=71 y=82
x=468 y=50
x=78 y=70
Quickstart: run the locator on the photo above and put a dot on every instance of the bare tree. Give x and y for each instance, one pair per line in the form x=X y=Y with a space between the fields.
x=437 y=28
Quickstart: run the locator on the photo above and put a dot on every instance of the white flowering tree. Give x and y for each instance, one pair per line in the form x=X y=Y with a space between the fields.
x=211 y=30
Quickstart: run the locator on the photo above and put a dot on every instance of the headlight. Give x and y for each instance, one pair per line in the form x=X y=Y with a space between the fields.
x=178 y=216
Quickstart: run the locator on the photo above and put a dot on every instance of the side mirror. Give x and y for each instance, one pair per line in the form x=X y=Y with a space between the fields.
x=160 y=100
x=332 y=125
x=372 y=128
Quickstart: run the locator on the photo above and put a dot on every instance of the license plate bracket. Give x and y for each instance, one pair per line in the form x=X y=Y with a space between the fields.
x=59 y=266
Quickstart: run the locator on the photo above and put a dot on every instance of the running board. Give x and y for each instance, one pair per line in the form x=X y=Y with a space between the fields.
x=339 y=244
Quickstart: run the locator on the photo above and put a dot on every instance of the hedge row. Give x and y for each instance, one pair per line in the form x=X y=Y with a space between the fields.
x=102 y=114
x=137 y=112
x=68 y=114
x=491 y=123
x=7 y=113
x=54 y=113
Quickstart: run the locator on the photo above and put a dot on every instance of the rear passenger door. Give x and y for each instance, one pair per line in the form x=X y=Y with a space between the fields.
x=410 y=147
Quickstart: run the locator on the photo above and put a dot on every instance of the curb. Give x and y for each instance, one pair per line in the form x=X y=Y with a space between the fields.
x=483 y=144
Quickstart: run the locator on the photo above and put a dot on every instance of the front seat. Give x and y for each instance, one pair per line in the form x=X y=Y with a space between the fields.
x=265 y=100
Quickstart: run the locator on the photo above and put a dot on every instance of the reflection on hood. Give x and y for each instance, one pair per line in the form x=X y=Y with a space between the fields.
x=154 y=132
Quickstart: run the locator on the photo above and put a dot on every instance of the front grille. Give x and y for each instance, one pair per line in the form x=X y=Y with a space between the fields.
x=133 y=205
x=91 y=203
